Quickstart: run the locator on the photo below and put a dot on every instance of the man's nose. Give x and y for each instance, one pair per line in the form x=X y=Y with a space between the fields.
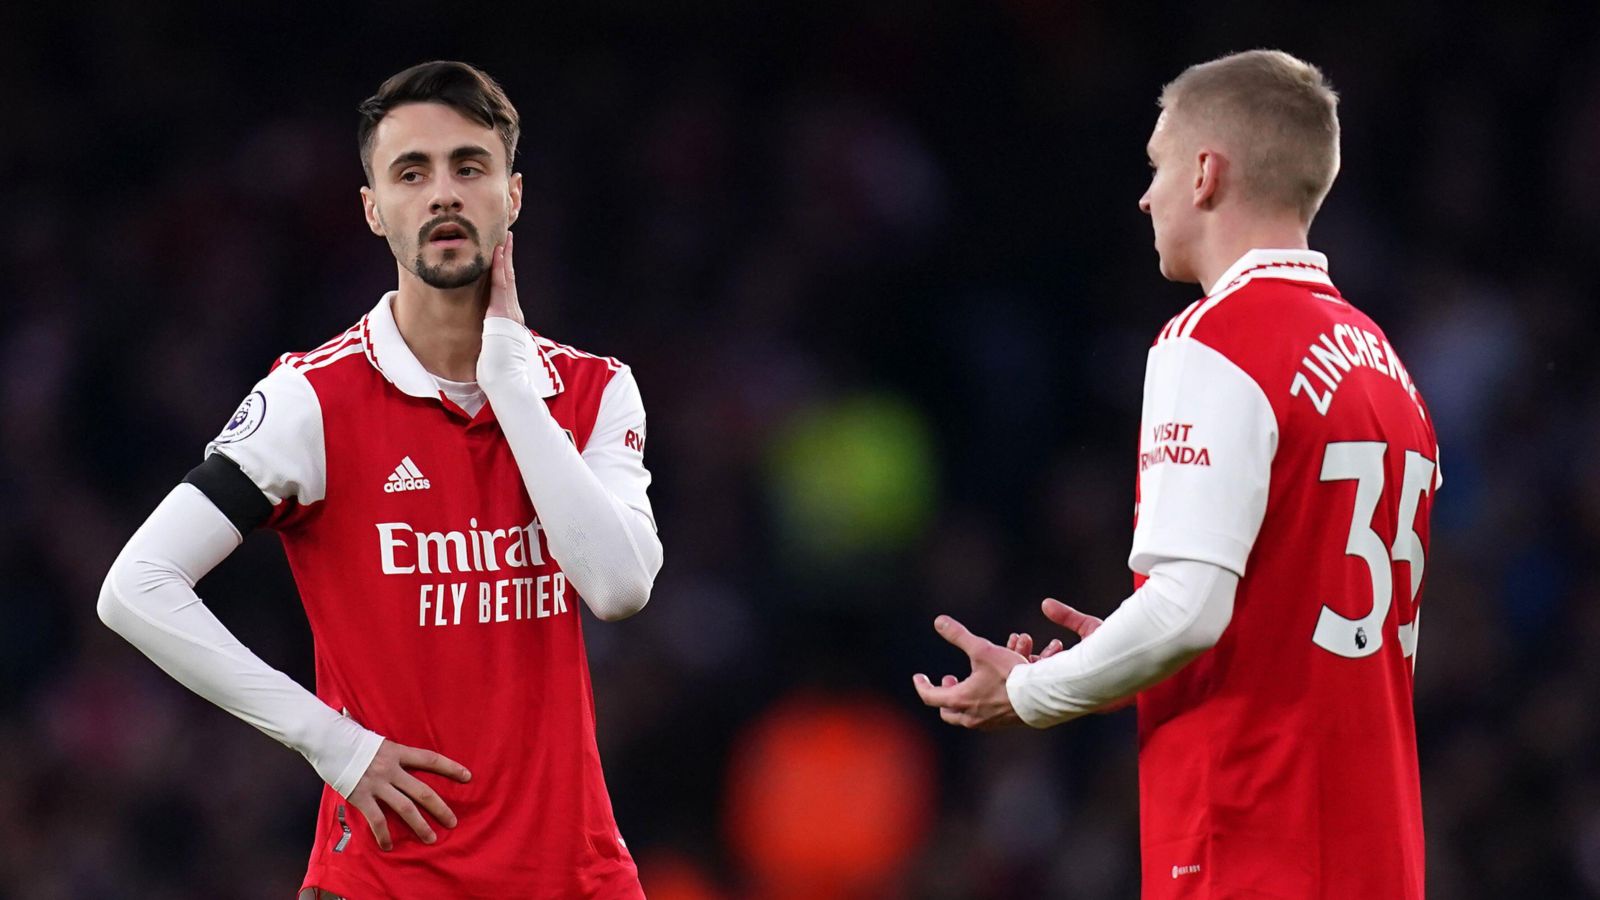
x=1144 y=203
x=445 y=200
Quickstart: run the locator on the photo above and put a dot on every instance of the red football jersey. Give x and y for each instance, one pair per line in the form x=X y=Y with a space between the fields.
x=439 y=618
x=1283 y=439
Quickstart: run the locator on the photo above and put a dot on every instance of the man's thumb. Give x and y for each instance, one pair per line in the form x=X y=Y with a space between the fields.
x=1079 y=623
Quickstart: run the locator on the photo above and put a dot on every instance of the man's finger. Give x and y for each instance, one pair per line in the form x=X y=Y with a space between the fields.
x=408 y=811
x=949 y=681
x=427 y=798
x=438 y=763
x=931 y=695
x=952 y=717
x=380 y=826
x=1079 y=623
x=1024 y=645
x=957 y=633
x=511 y=267
x=1055 y=646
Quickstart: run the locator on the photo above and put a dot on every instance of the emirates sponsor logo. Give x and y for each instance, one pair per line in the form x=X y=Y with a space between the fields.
x=402 y=550
x=456 y=558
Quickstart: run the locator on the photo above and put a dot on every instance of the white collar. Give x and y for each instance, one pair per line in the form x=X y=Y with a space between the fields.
x=388 y=352
x=1293 y=265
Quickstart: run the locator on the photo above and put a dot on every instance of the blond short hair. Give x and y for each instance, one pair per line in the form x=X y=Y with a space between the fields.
x=1278 y=115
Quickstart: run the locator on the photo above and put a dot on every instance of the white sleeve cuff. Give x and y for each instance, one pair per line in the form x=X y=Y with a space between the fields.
x=355 y=746
x=510 y=356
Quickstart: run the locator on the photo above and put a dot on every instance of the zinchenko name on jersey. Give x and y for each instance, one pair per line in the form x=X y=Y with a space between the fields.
x=1348 y=347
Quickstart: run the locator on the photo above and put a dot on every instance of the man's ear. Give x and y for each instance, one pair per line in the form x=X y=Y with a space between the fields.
x=516 y=197
x=369 y=207
x=1209 y=170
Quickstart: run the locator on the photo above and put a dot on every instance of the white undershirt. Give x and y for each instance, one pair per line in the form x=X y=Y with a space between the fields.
x=1179 y=613
x=608 y=550
x=149 y=598
x=465 y=394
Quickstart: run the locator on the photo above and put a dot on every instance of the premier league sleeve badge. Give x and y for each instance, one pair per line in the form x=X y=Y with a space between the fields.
x=245 y=420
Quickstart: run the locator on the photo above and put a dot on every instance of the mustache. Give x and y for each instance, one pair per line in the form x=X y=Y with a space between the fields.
x=431 y=224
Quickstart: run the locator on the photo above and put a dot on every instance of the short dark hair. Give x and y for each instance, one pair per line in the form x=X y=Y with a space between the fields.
x=464 y=88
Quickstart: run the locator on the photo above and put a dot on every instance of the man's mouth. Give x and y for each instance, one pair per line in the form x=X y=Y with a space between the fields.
x=448 y=235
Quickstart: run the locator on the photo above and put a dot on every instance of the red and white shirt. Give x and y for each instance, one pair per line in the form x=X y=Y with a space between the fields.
x=1283 y=440
x=440 y=618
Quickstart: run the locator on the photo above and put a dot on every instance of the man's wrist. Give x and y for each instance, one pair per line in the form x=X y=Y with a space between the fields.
x=341 y=752
x=1033 y=703
x=507 y=347
x=1017 y=691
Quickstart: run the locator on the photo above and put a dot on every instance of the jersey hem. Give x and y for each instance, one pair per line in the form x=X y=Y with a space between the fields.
x=344 y=884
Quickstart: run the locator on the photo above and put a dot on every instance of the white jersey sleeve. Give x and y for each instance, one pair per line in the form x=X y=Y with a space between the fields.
x=276 y=439
x=615 y=452
x=1207 y=438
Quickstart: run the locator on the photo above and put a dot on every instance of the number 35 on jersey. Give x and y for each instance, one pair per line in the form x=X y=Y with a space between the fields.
x=1363 y=463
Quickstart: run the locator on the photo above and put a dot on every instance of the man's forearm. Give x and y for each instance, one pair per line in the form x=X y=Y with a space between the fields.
x=149 y=598
x=609 y=551
x=1179 y=613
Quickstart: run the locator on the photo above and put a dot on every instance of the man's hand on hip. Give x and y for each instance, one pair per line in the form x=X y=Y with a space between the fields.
x=389 y=781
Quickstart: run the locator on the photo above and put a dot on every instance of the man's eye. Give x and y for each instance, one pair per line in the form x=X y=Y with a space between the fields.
x=410 y=177
x=470 y=170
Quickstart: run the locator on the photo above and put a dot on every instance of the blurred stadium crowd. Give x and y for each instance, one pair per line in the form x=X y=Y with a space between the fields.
x=884 y=285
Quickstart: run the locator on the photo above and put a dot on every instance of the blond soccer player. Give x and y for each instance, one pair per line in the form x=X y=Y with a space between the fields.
x=1286 y=470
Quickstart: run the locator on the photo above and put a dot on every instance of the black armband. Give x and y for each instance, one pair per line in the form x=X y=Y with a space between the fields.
x=231 y=491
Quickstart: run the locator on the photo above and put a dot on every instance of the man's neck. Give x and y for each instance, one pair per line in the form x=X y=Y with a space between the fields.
x=443 y=328
x=1234 y=242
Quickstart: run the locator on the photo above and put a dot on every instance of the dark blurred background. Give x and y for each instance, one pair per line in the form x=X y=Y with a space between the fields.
x=881 y=276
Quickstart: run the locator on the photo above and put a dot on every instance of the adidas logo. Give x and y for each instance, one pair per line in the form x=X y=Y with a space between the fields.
x=406 y=477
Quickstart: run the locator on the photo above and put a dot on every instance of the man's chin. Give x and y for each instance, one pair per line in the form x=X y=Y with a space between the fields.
x=1172 y=271
x=451 y=275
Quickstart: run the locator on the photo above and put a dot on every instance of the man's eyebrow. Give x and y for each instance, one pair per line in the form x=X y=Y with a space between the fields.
x=406 y=159
x=467 y=151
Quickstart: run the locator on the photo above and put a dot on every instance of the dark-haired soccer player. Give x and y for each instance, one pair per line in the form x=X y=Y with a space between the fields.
x=448 y=486
x=1286 y=471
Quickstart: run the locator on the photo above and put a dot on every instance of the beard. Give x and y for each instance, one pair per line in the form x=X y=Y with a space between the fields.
x=451 y=272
